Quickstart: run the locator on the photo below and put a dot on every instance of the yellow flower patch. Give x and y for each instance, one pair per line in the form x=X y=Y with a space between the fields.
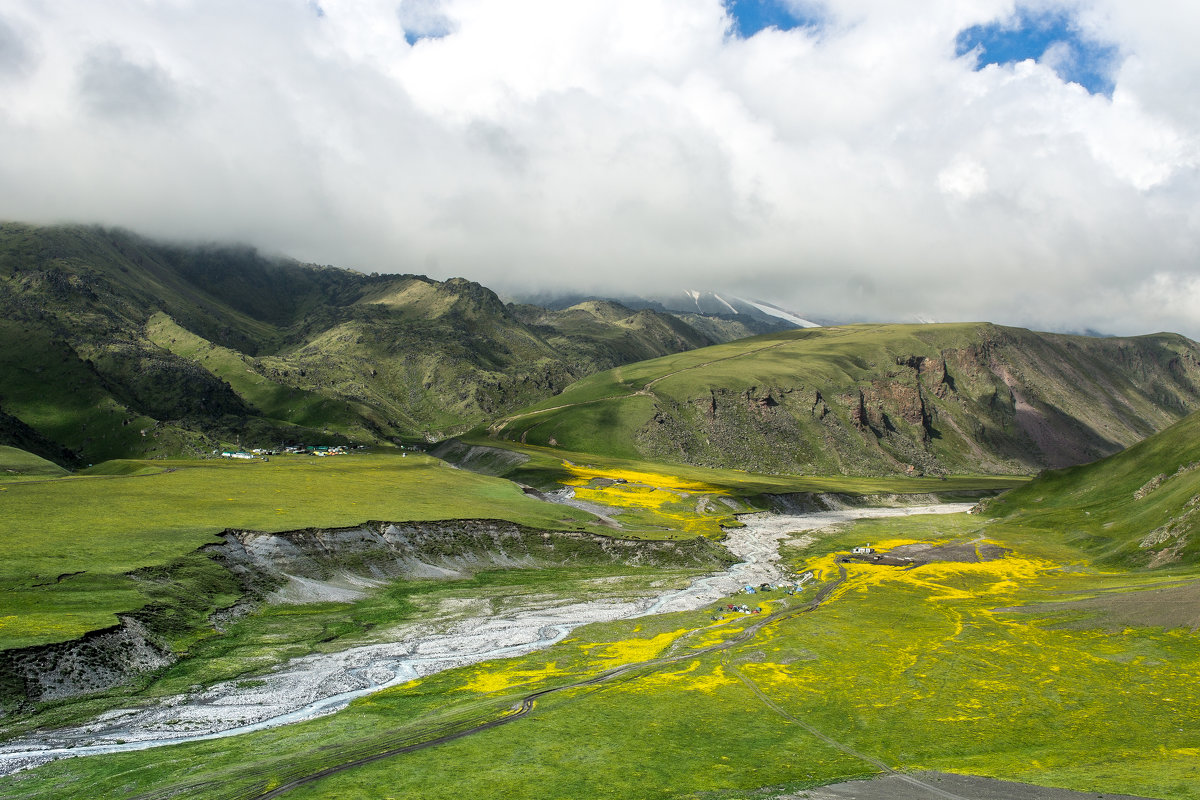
x=632 y=651
x=485 y=680
x=689 y=680
x=773 y=675
x=583 y=474
x=657 y=500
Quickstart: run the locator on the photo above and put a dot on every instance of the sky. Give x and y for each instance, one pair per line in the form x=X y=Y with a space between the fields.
x=1032 y=164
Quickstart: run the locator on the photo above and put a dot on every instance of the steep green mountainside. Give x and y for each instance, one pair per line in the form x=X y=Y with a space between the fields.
x=112 y=345
x=878 y=399
x=1139 y=507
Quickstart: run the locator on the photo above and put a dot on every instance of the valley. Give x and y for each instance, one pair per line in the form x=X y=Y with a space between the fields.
x=580 y=551
x=985 y=646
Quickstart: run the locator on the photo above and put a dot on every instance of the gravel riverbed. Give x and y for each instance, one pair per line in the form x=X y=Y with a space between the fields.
x=323 y=683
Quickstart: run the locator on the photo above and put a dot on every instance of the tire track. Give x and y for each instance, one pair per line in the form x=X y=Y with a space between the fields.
x=516 y=712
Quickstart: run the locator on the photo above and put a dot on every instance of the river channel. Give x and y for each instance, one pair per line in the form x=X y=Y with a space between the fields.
x=324 y=683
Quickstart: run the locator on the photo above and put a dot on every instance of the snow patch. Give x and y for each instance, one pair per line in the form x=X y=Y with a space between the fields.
x=781 y=314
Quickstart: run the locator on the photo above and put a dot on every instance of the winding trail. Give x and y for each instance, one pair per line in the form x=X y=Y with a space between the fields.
x=321 y=684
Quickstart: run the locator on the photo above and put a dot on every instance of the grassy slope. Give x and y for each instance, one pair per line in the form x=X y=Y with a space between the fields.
x=877 y=399
x=69 y=543
x=203 y=345
x=85 y=374
x=1111 y=509
x=58 y=394
x=274 y=399
x=17 y=464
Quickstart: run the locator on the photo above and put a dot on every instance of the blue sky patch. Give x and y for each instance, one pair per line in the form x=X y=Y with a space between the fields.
x=1052 y=38
x=752 y=16
x=412 y=37
x=423 y=19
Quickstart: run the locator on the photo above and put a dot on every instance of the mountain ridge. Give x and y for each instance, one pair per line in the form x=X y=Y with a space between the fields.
x=115 y=345
x=879 y=399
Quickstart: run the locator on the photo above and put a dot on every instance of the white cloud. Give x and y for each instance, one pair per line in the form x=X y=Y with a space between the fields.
x=963 y=178
x=424 y=18
x=858 y=169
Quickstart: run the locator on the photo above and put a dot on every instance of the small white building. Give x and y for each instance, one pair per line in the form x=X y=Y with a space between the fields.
x=862 y=550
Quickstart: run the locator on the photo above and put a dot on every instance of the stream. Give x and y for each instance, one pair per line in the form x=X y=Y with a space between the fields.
x=322 y=683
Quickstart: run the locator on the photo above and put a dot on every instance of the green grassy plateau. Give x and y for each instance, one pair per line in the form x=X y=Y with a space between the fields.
x=877 y=399
x=71 y=543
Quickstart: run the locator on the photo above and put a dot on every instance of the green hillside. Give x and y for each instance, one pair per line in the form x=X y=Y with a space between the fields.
x=1139 y=508
x=115 y=346
x=18 y=464
x=878 y=399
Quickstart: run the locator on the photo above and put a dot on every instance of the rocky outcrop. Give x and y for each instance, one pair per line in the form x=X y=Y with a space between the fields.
x=282 y=565
x=938 y=400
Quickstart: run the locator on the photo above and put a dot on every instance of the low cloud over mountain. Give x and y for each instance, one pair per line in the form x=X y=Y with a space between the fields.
x=1032 y=164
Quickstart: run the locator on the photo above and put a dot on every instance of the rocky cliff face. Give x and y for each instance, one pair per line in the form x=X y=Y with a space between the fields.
x=98 y=661
x=1008 y=401
x=320 y=563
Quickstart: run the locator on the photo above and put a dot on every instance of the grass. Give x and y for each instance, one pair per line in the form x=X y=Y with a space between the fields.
x=548 y=466
x=273 y=399
x=70 y=543
x=17 y=464
x=657 y=501
x=939 y=667
x=1112 y=508
x=987 y=668
x=873 y=400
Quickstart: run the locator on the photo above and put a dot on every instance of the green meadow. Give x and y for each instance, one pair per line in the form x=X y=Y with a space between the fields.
x=946 y=666
x=1059 y=650
x=70 y=543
